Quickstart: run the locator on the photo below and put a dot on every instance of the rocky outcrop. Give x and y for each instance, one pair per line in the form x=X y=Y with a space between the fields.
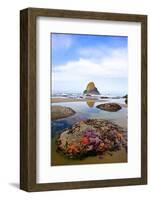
x=112 y=107
x=126 y=101
x=126 y=98
x=91 y=89
x=91 y=137
x=58 y=112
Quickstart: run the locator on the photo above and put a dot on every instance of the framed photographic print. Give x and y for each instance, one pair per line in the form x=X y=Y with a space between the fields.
x=83 y=93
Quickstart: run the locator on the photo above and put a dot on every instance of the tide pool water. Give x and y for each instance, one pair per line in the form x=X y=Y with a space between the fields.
x=87 y=110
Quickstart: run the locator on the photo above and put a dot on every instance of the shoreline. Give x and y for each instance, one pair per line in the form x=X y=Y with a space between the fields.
x=74 y=99
x=69 y=99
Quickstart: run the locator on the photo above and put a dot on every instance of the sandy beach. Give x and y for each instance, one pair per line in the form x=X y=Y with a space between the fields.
x=69 y=99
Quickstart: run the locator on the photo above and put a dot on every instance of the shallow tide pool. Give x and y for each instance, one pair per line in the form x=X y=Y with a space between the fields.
x=87 y=110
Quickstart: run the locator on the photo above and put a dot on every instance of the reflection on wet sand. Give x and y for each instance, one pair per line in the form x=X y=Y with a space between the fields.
x=90 y=103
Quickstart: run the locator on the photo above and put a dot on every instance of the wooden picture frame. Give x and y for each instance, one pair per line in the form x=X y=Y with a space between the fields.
x=28 y=98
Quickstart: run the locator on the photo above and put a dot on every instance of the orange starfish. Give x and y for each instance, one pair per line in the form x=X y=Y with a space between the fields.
x=85 y=140
x=102 y=146
x=72 y=148
x=119 y=136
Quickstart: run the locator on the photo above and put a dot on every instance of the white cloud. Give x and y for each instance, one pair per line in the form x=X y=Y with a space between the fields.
x=93 y=53
x=112 y=65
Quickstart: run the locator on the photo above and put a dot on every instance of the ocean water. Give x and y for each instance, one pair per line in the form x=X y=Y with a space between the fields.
x=78 y=94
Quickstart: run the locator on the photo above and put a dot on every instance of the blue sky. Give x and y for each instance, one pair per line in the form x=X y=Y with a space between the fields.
x=78 y=59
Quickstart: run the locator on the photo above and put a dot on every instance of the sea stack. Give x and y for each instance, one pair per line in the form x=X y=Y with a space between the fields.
x=91 y=89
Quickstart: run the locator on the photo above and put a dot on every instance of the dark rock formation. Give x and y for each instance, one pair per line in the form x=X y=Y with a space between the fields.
x=91 y=89
x=112 y=107
x=91 y=137
x=126 y=98
x=126 y=101
x=58 y=112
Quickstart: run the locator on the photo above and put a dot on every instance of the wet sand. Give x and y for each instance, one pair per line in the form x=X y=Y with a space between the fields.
x=69 y=99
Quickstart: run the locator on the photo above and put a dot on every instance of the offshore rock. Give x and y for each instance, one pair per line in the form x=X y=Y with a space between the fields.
x=111 y=107
x=58 y=112
x=91 y=89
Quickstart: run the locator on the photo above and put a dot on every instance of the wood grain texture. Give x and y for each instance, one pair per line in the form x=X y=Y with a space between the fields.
x=27 y=101
x=24 y=100
x=86 y=15
x=28 y=98
x=144 y=99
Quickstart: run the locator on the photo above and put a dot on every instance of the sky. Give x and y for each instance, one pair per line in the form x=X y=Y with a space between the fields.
x=77 y=59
